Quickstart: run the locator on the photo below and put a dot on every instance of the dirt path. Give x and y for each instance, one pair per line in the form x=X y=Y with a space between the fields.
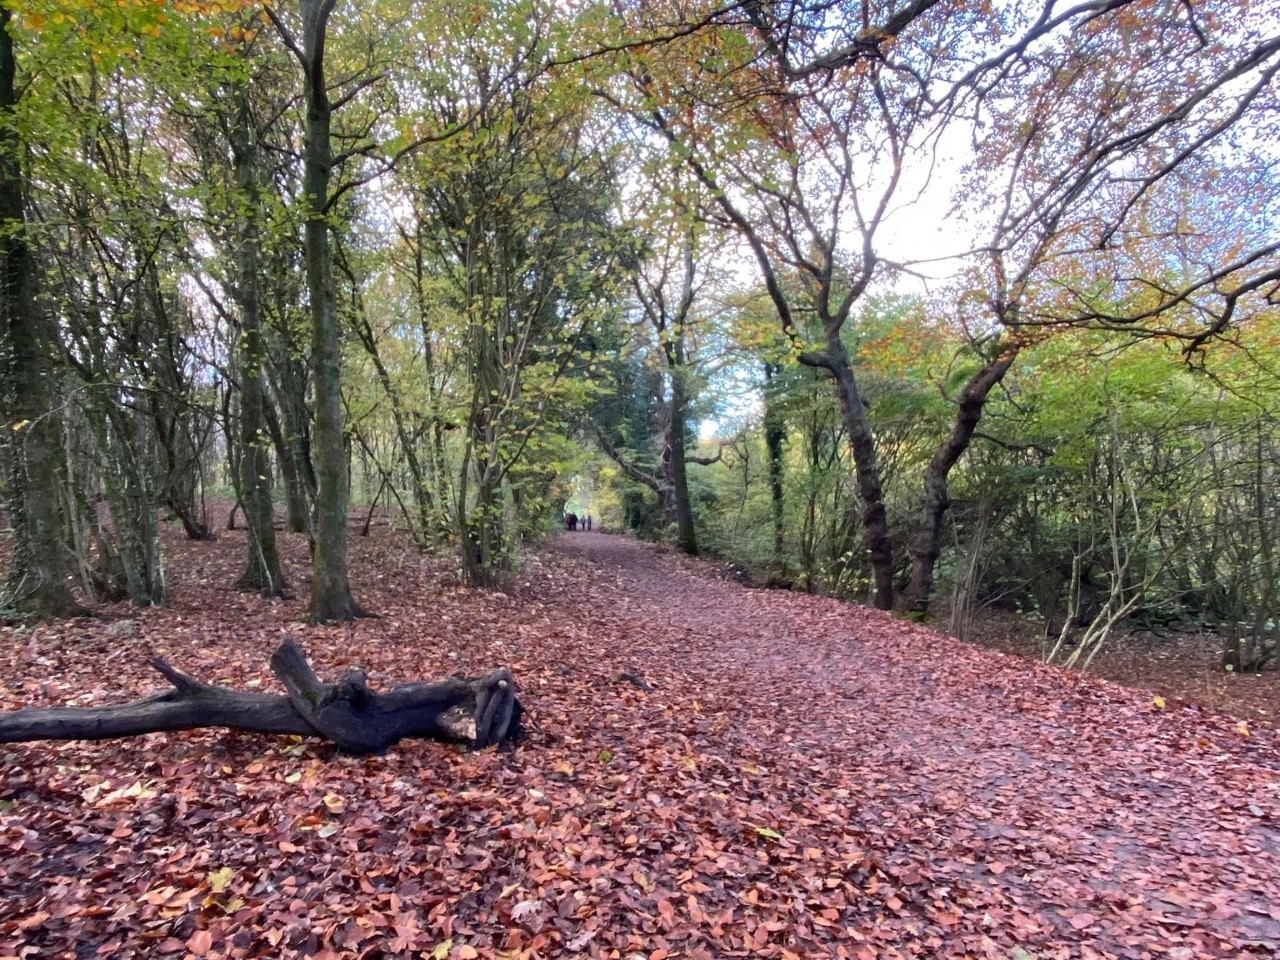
x=977 y=787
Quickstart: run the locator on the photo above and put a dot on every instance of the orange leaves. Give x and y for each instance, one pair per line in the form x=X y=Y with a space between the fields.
x=112 y=31
x=236 y=34
x=200 y=942
x=807 y=778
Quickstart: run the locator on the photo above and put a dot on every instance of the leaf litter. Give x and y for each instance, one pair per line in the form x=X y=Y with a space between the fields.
x=801 y=778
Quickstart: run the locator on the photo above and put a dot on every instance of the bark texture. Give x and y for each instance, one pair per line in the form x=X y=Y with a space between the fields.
x=262 y=566
x=774 y=437
x=31 y=442
x=677 y=466
x=875 y=521
x=330 y=590
x=937 y=501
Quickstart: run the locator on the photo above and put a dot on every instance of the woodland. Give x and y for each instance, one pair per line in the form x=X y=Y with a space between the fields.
x=936 y=306
x=319 y=318
x=901 y=303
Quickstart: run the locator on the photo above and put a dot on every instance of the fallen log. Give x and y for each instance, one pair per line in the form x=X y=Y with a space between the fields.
x=478 y=712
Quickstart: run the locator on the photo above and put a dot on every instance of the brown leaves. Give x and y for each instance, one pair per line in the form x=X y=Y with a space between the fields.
x=804 y=778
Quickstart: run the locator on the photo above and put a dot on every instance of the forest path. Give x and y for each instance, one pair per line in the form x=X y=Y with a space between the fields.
x=954 y=779
x=805 y=778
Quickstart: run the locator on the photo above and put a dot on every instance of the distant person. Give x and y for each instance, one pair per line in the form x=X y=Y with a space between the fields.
x=588 y=523
x=571 y=521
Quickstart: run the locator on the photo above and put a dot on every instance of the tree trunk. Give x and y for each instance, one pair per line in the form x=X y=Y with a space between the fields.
x=875 y=523
x=928 y=546
x=686 y=535
x=330 y=591
x=479 y=712
x=37 y=573
x=130 y=558
x=171 y=410
x=262 y=566
x=179 y=463
x=809 y=526
x=482 y=537
x=435 y=449
x=424 y=522
x=774 y=437
x=297 y=511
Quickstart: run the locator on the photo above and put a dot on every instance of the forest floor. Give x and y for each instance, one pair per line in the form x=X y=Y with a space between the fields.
x=805 y=778
x=1180 y=663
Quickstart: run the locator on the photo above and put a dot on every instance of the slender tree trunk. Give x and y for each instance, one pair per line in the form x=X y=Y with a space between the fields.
x=774 y=437
x=483 y=536
x=262 y=566
x=129 y=554
x=177 y=451
x=231 y=469
x=480 y=524
x=423 y=523
x=809 y=526
x=686 y=535
x=479 y=533
x=875 y=522
x=37 y=572
x=123 y=446
x=670 y=322
x=330 y=590
x=288 y=381
x=928 y=546
x=435 y=449
x=179 y=465
x=296 y=489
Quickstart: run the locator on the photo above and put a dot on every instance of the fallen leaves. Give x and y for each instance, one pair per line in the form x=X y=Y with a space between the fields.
x=802 y=778
x=200 y=942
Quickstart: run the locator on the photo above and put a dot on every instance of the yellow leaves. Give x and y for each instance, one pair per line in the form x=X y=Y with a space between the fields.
x=211 y=7
x=219 y=879
x=118 y=797
x=1158 y=702
x=101 y=25
x=234 y=34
